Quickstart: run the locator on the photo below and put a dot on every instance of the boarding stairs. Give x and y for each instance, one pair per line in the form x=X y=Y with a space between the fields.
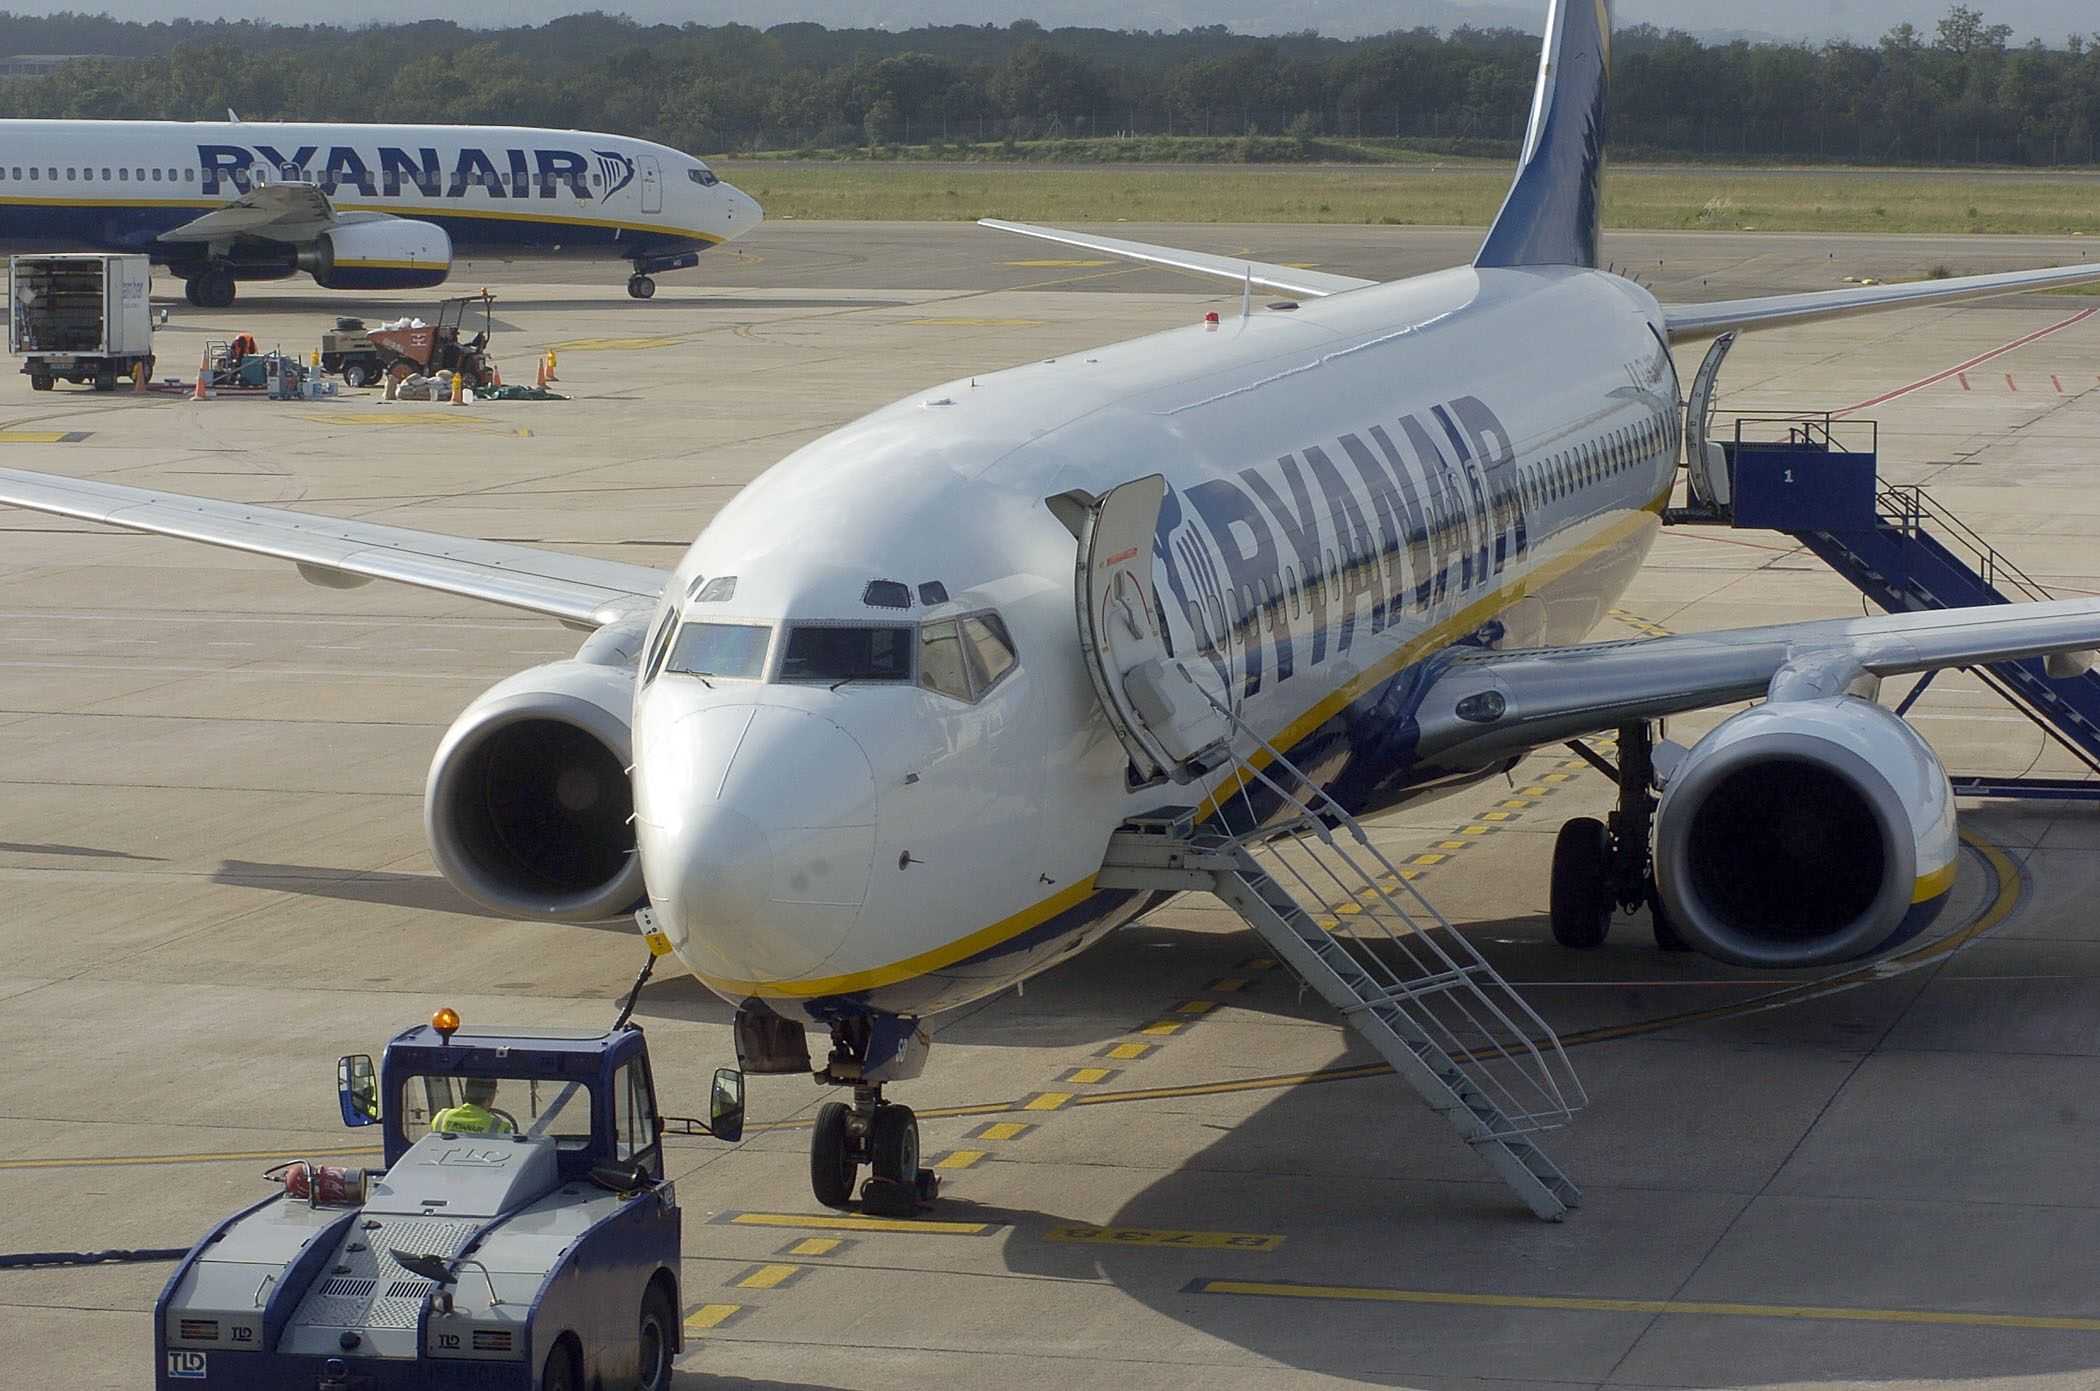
x=1303 y=874
x=1814 y=478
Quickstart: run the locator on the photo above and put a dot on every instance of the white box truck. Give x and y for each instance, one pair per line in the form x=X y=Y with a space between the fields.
x=83 y=317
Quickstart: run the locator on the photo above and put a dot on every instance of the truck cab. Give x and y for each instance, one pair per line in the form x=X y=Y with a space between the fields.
x=520 y=1235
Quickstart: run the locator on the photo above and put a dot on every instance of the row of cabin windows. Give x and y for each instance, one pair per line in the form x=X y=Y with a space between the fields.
x=73 y=173
x=1550 y=480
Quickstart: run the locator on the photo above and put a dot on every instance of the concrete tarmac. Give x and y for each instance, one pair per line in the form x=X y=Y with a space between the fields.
x=1163 y=1165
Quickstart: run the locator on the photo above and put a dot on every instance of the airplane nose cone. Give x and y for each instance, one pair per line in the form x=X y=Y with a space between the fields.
x=744 y=211
x=757 y=832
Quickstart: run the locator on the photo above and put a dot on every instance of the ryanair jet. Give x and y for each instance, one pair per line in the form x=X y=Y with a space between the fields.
x=357 y=207
x=863 y=750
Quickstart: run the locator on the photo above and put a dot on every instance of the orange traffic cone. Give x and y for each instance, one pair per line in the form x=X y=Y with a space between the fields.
x=539 y=377
x=203 y=372
x=495 y=375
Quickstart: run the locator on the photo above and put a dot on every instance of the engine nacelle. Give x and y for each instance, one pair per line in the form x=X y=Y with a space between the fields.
x=528 y=803
x=1804 y=833
x=390 y=254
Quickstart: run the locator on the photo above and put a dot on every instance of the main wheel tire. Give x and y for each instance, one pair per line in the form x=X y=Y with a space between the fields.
x=641 y=287
x=659 y=1335
x=193 y=290
x=1581 y=888
x=217 y=289
x=560 y=1373
x=832 y=1167
x=1667 y=937
x=893 y=1144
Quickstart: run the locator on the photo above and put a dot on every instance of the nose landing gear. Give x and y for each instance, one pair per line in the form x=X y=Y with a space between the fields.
x=870 y=1132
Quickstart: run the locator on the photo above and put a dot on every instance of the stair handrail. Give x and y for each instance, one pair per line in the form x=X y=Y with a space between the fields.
x=1549 y=1074
x=1992 y=563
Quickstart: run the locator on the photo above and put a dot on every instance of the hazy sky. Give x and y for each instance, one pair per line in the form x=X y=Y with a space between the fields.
x=1860 y=19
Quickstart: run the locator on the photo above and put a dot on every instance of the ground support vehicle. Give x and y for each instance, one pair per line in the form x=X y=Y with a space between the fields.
x=347 y=350
x=84 y=318
x=531 y=1245
x=431 y=348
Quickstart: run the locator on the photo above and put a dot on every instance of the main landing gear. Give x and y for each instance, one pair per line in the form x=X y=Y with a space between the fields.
x=881 y=1135
x=641 y=286
x=1603 y=866
x=211 y=289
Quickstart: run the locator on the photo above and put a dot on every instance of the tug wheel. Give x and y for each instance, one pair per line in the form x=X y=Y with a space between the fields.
x=659 y=1335
x=560 y=1372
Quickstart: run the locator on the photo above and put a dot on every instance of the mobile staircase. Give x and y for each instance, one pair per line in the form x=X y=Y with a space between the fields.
x=1814 y=478
x=1311 y=883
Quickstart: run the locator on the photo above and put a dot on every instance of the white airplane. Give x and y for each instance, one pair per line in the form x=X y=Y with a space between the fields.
x=868 y=764
x=357 y=207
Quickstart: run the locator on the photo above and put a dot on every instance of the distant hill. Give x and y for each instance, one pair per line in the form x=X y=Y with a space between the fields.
x=1712 y=20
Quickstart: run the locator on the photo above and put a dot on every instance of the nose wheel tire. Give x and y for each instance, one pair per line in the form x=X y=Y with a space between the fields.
x=1667 y=937
x=641 y=286
x=893 y=1144
x=1580 y=903
x=832 y=1167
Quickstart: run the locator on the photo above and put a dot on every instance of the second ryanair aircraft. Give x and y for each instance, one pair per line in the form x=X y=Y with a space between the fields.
x=357 y=207
x=858 y=758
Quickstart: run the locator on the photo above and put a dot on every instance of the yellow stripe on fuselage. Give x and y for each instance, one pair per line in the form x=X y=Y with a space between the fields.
x=1430 y=640
x=655 y=229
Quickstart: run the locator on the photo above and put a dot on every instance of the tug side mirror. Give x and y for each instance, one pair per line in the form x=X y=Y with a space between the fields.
x=725 y=1105
x=357 y=1089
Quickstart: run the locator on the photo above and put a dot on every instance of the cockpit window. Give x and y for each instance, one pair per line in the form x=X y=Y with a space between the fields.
x=991 y=650
x=847 y=653
x=659 y=644
x=942 y=666
x=720 y=589
x=733 y=650
x=706 y=178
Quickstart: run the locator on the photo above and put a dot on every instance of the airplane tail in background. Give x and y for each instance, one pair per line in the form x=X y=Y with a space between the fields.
x=1554 y=211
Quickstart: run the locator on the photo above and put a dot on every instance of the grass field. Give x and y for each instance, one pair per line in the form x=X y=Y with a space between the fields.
x=1454 y=193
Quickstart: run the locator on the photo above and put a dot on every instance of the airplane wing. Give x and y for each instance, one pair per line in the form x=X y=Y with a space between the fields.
x=1693 y=321
x=341 y=554
x=1312 y=284
x=280 y=212
x=1550 y=694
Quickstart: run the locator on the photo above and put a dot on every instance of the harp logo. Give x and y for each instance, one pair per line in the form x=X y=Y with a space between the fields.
x=617 y=168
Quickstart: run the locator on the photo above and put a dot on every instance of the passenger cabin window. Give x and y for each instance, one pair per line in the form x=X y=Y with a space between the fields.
x=736 y=651
x=847 y=653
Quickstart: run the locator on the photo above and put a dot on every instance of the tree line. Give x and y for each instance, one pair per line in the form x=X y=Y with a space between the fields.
x=1959 y=94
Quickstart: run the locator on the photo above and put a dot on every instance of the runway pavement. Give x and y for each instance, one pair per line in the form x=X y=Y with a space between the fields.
x=1164 y=1166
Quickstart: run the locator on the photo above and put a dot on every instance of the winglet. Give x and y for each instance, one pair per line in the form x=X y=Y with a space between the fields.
x=1554 y=211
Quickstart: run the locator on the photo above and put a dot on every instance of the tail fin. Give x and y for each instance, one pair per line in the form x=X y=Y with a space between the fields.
x=1555 y=208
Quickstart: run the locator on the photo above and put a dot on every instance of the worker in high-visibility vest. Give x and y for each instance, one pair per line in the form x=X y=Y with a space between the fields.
x=473 y=1116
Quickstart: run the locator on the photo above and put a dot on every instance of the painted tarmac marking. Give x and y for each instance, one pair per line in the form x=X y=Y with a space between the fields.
x=1052 y=264
x=1000 y=1130
x=1164 y=1028
x=1127 y=1052
x=1227 y=985
x=1146 y=1236
x=1046 y=1101
x=849 y=1222
x=959 y=1159
x=1090 y=1076
x=221 y=1157
x=2010 y=384
x=43 y=436
x=1195 y=1007
x=1287 y=1289
x=816 y=1246
x=1963 y=378
x=711 y=1316
x=770 y=1276
x=2058 y=382
x=1919 y=385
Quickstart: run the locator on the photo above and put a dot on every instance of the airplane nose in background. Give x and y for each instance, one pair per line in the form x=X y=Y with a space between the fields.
x=757 y=833
x=746 y=211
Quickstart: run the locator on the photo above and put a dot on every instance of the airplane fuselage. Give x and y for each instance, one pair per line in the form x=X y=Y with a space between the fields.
x=502 y=190
x=1356 y=486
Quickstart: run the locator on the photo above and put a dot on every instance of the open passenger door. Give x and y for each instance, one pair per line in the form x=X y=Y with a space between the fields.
x=1704 y=459
x=1163 y=718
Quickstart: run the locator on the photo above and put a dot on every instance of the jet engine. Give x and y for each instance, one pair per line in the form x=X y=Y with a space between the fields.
x=389 y=254
x=528 y=802
x=1803 y=833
